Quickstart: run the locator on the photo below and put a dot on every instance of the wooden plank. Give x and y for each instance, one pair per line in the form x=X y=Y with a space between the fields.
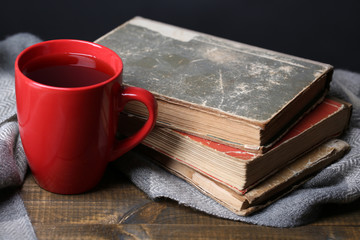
x=182 y=231
x=116 y=209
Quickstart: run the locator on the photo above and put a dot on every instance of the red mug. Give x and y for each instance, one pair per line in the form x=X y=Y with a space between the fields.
x=69 y=95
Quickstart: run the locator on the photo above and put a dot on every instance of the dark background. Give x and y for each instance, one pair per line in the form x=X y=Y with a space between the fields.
x=326 y=31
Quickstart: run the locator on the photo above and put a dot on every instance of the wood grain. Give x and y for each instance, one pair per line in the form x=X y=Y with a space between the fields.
x=116 y=209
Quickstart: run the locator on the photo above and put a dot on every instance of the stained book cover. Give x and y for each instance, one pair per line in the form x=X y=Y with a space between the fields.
x=239 y=169
x=215 y=88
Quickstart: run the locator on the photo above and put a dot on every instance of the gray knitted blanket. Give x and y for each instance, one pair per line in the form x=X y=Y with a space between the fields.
x=338 y=183
x=14 y=221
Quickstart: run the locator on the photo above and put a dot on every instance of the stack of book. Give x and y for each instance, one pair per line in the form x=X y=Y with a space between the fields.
x=242 y=124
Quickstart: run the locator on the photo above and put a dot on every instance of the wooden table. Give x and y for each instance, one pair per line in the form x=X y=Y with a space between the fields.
x=116 y=209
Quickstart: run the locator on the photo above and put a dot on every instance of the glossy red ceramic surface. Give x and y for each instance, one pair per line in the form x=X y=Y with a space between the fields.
x=68 y=134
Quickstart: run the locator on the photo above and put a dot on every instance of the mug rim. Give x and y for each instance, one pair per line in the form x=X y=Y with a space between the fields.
x=117 y=72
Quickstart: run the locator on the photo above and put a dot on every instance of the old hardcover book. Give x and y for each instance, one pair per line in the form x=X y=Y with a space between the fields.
x=217 y=89
x=239 y=169
x=275 y=187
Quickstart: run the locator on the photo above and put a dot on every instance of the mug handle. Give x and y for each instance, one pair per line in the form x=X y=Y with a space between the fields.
x=144 y=96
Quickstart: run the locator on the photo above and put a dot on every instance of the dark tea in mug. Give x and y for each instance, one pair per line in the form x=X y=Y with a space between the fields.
x=68 y=70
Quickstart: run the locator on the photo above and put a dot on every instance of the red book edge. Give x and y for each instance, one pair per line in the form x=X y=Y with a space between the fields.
x=319 y=113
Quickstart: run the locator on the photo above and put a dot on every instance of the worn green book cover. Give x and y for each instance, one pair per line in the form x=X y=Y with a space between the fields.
x=218 y=89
